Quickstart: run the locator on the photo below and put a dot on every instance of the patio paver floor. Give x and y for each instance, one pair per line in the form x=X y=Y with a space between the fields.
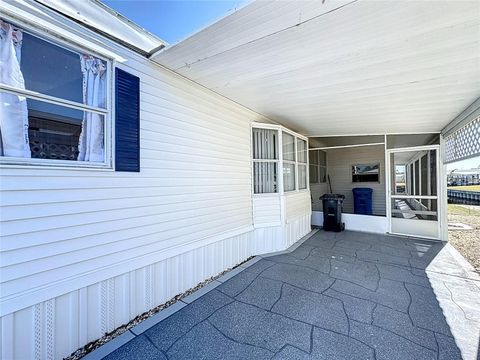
x=337 y=296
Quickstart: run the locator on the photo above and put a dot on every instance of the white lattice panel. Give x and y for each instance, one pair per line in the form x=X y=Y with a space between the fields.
x=463 y=143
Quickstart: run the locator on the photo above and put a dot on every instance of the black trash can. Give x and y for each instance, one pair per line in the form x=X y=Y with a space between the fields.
x=332 y=212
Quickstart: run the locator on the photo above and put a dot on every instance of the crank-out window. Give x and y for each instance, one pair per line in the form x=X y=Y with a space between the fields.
x=53 y=101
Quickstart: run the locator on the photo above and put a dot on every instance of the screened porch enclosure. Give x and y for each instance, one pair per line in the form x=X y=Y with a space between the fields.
x=401 y=171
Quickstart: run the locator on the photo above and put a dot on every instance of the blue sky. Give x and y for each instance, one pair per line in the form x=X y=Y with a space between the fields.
x=465 y=164
x=173 y=20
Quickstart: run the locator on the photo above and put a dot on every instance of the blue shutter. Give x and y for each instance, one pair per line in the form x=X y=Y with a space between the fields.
x=127 y=122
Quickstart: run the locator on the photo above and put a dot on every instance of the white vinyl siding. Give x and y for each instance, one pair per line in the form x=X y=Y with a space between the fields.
x=86 y=250
x=62 y=228
x=297 y=205
x=267 y=210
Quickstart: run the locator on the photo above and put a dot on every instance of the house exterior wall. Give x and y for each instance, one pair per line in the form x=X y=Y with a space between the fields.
x=280 y=220
x=316 y=191
x=86 y=250
x=339 y=168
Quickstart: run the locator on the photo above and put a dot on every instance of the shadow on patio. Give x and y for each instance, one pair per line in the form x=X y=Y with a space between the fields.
x=336 y=296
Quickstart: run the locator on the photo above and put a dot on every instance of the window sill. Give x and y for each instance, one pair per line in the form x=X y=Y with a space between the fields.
x=296 y=192
x=266 y=195
x=16 y=163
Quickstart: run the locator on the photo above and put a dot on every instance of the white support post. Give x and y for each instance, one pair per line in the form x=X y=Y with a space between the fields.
x=442 y=202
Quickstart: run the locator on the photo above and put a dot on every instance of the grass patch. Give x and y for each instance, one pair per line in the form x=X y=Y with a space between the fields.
x=454 y=209
x=466 y=188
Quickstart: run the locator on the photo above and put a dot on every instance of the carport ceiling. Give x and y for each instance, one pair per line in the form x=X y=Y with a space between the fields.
x=339 y=68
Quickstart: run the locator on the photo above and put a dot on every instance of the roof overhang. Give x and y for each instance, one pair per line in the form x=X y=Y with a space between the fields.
x=341 y=67
x=109 y=23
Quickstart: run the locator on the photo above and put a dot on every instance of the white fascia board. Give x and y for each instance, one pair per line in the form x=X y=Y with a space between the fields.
x=101 y=18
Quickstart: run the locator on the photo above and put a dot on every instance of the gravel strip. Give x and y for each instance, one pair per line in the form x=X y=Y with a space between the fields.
x=467 y=242
x=78 y=354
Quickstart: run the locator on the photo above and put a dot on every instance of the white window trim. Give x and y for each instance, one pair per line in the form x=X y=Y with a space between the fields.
x=107 y=165
x=280 y=160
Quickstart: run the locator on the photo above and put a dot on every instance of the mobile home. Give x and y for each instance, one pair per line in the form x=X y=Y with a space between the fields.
x=132 y=170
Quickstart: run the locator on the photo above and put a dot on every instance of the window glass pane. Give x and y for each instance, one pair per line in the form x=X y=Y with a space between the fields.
x=433 y=172
x=366 y=173
x=424 y=172
x=417 y=178
x=415 y=209
x=41 y=66
x=322 y=157
x=265 y=144
x=288 y=177
x=302 y=150
x=264 y=177
x=323 y=174
x=302 y=176
x=398 y=185
x=36 y=129
x=288 y=146
x=410 y=187
x=313 y=157
x=313 y=174
x=50 y=69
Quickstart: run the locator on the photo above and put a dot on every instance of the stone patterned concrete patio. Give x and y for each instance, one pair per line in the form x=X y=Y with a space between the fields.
x=336 y=296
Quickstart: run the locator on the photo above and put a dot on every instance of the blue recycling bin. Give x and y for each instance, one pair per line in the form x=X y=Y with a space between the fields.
x=362 y=201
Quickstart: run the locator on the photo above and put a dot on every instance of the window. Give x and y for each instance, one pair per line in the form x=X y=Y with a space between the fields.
x=318 y=166
x=265 y=160
x=53 y=101
x=366 y=173
x=288 y=145
x=302 y=163
x=273 y=162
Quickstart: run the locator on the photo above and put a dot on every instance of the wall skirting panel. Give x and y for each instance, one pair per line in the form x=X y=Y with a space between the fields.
x=354 y=222
x=55 y=328
x=296 y=229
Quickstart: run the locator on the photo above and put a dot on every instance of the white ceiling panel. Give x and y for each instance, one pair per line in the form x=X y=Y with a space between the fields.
x=337 y=68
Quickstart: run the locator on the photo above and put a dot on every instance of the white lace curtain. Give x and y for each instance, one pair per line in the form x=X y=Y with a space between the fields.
x=91 y=145
x=13 y=108
x=265 y=147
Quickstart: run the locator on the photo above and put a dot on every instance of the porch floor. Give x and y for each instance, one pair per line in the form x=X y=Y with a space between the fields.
x=342 y=295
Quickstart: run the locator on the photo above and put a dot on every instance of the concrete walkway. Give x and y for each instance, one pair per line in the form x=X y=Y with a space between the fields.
x=336 y=296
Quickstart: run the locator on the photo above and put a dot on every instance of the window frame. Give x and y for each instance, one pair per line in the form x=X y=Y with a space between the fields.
x=318 y=166
x=301 y=163
x=290 y=162
x=280 y=161
x=108 y=112
x=274 y=161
